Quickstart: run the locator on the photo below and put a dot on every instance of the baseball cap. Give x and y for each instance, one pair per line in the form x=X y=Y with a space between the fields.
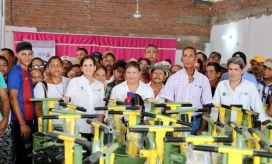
x=163 y=65
x=224 y=65
x=68 y=58
x=120 y=63
x=74 y=61
x=241 y=55
x=106 y=53
x=258 y=59
x=144 y=58
x=215 y=53
x=23 y=46
x=97 y=55
x=267 y=64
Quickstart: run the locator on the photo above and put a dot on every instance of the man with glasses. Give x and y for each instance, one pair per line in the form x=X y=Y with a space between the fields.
x=265 y=85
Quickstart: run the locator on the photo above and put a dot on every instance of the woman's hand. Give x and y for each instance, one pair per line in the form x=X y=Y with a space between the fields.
x=66 y=99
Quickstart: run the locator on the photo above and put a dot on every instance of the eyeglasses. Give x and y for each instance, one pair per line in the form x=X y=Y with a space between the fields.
x=37 y=67
x=269 y=69
x=75 y=73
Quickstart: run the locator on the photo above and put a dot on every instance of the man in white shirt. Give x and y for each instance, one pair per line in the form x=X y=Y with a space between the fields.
x=158 y=73
x=237 y=90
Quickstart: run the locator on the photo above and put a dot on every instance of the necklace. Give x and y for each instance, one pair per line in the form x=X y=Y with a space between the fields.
x=57 y=87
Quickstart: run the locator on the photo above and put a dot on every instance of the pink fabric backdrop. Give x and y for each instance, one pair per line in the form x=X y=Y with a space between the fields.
x=123 y=47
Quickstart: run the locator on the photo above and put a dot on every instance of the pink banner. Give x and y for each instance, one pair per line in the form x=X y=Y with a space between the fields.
x=123 y=47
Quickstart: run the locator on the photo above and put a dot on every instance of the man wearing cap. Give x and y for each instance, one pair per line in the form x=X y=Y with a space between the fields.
x=158 y=73
x=151 y=52
x=265 y=85
x=257 y=67
x=20 y=89
x=237 y=90
x=98 y=58
x=215 y=57
x=246 y=75
x=108 y=61
x=67 y=64
x=188 y=85
x=119 y=76
x=224 y=68
x=81 y=52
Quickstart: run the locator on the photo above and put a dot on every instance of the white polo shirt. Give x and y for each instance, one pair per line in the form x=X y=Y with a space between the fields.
x=245 y=94
x=158 y=97
x=144 y=90
x=87 y=96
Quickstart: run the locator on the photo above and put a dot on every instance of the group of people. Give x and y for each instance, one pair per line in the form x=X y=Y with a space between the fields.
x=91 y=78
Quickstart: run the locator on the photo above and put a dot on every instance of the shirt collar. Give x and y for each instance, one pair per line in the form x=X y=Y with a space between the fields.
x=195 y=72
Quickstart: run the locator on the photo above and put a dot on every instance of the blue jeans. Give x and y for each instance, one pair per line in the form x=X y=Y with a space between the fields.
x=196 y=122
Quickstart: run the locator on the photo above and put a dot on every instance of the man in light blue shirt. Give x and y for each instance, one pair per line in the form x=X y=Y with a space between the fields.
x=246 y=75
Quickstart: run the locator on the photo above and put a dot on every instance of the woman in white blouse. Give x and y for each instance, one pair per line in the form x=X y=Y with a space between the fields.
x=87 y=92
x=133 y=84
x=53 y=86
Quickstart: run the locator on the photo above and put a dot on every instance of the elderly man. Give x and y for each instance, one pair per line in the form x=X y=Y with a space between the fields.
x=158 y=74
x=257 y=67
x=236 y=90
x=188 y=85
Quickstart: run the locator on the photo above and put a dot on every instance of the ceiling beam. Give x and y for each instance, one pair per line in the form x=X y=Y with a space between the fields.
x=235 y=16
x=194 y=20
